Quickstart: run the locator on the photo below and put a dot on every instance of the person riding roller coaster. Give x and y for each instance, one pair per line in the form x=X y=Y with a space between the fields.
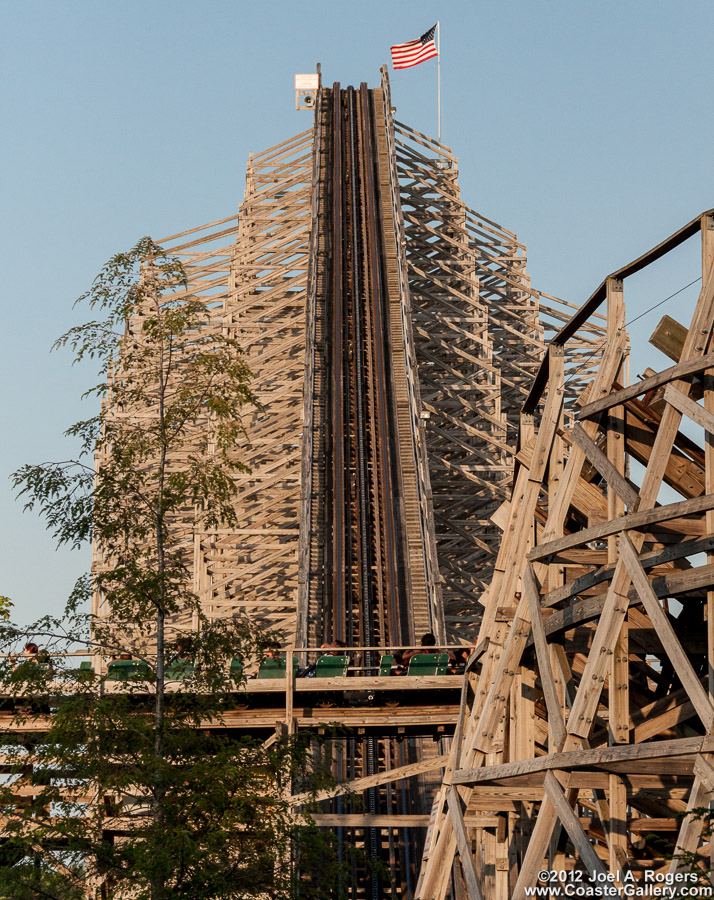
x=402 y=657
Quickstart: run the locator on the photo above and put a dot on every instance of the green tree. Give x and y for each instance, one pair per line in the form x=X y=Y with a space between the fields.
x=125 y=792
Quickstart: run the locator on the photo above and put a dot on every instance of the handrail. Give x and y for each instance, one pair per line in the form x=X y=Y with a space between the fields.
x=435 y=649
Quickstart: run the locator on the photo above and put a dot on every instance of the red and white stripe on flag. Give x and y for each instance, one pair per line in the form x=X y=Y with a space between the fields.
x=414 y=52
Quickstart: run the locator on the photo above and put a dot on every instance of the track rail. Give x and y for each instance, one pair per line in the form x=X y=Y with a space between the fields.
x=366 y=597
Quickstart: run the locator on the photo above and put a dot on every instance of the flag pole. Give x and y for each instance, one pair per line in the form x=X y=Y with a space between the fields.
x=438 y=79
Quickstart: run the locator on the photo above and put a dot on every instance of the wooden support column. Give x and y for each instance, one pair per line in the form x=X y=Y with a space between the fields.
x=467 y=861
x=556 y=466
x=564 y=810
x=289 y=691
x=503 y=886
x=708 y=378
x=553 y=699
x=618 y=693
x=618 y=823
x=522 y=724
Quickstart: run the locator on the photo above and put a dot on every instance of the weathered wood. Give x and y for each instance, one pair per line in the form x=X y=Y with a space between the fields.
x=365 y=820
x=467 y=861
x=689 y=408
x=621 y=678
x=608 y=471
x=630 y=522
x=572 y=825
x=670 y=642
x=368 y=781
x=555 y=719
x=675 y=373
x=691 y=827
x=584 y=758
x=669 y=337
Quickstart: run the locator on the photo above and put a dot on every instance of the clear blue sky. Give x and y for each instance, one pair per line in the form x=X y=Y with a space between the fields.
x=586 y=127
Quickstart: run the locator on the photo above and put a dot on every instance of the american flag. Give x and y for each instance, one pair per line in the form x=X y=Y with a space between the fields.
x=414 y=52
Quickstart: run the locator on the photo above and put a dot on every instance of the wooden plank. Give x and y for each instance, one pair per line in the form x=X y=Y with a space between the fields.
x=618 y=823
x=495 y=700
x=362 y=784
x=691 y=828
x=633 y=521
x=608 y=471
x=617 y=496
x=377 y=683
x=704 y=771
x=703 y=768
x=468 y=866
x=586 y=758
x=674 y=373
x=584 y=709
x=619 y=701
x=669 y=337
x=689 y=408
x=365 y=820
x=535 y=851
x=670 y=642
x=674 y=552
x=555 y=719
x=572 y=825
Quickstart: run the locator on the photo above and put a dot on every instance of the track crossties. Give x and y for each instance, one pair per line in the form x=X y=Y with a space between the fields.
x=367 y=572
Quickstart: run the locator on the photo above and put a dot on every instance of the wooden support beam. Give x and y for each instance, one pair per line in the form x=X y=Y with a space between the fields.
x=535 y=851
x=670 y=642
x=587 y=758
x=572 y=825
x=555 y=719
x=674 y=373
x=669 y=337
x=608 y=471
x=618 y=823
x=368 y=781
x=468 y=866
x=634 y=521
x=689 y=408
x=691 y=828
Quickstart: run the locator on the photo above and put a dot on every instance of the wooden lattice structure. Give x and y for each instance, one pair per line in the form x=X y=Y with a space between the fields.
x=251 y=269
x=585 y=735
x=514 y=444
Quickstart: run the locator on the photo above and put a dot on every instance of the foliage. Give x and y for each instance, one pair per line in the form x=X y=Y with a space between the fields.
x=138 y=790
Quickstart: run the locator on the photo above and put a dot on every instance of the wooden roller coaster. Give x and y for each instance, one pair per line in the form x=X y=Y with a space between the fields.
x=442 y=448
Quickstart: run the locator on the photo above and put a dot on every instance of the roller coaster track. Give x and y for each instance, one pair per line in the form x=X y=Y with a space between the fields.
x=366 y=597
x=366 y=567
